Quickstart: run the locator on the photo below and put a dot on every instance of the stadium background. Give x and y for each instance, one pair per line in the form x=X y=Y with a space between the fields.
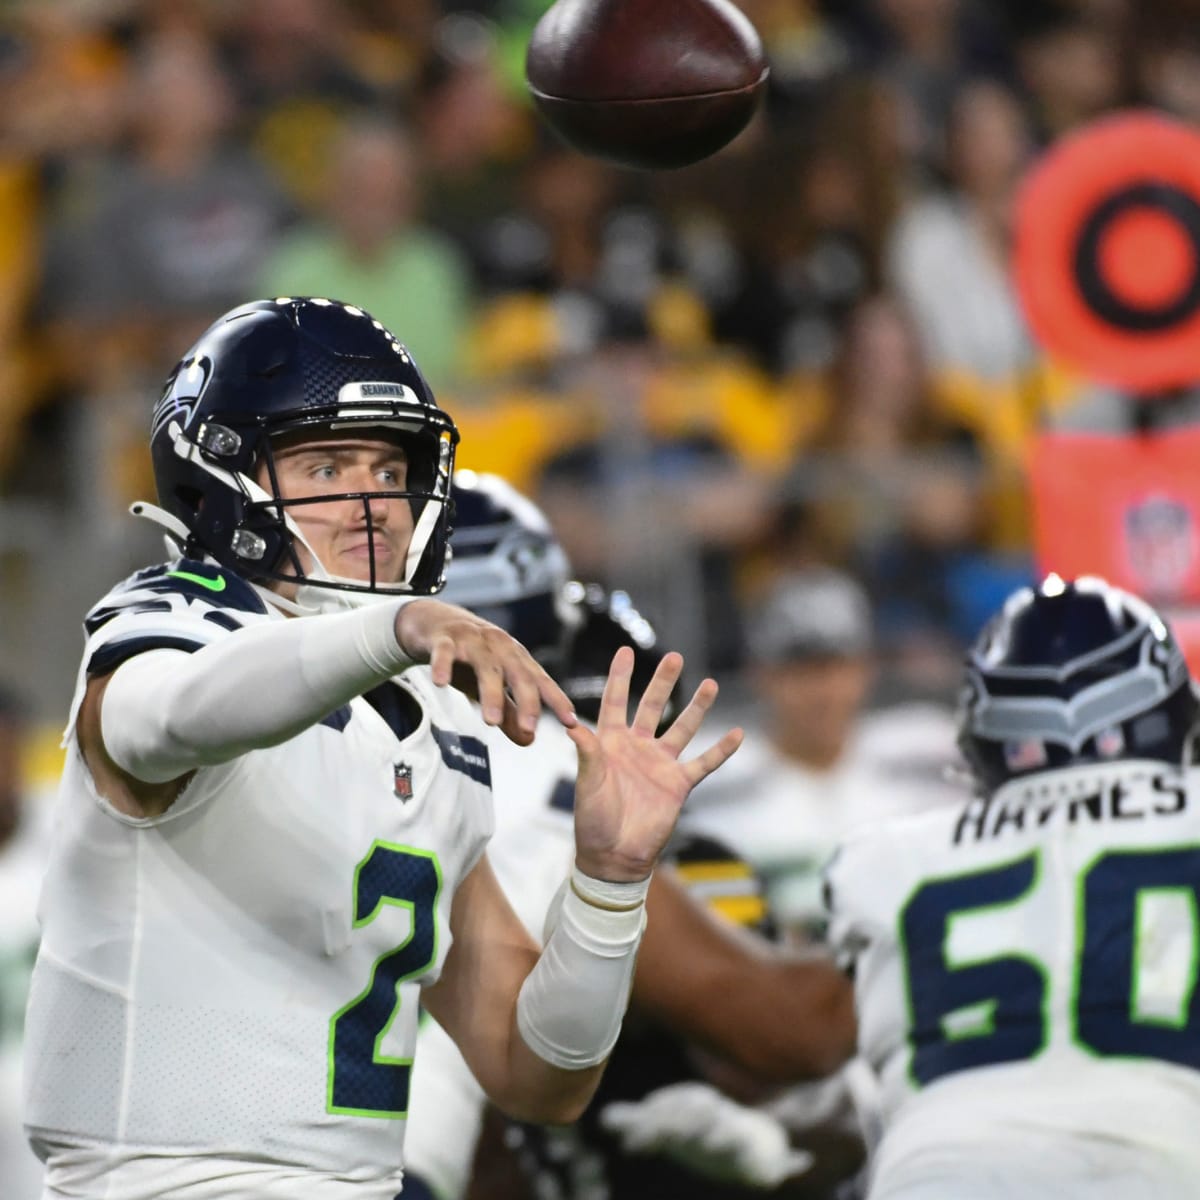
x=806 y=350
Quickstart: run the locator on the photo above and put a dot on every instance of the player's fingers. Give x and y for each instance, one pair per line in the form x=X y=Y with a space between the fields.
x=489 y=682
x=684 y=727
x=525 y=694
x=657 y=694
x=614 y=703
x=557 y=701
x=513 y=727
x=587 y=744
x=441 y=659
x=705 y=764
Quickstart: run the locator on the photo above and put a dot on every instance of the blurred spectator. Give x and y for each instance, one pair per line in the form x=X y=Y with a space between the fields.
x=555 y=235
x=926 y=50
x=934 y=586
x=371 y=248
x=949 y=252
x=21 y=861
x=665 y=508
x=949 y=262
x=801 y=782
x=1069 y=59
x=149 y=253
x=60 y=91
x=388 y=41
x=879 y=414
x=295 y=82
x=1168 y=64
x=174 y=233
x=477 y=130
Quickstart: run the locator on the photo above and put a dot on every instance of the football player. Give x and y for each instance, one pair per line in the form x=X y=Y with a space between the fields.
x=271 y=826
x=707 y=988
x=1026 y=964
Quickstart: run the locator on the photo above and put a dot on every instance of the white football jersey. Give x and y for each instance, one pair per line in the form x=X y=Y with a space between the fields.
x=225 y=1000
x=531 y=853
x=787 y=819
x=1026 y=968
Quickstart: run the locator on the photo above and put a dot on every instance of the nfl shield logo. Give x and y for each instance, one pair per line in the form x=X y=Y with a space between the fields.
x=1161 y=543
x=402 y=779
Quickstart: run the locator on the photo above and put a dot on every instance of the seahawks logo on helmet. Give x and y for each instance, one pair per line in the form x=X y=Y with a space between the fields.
x=182 y=394
x=1071 y=673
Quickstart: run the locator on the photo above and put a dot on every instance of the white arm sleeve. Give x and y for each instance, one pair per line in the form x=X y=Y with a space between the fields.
x=166 y=712
x=571 y=1004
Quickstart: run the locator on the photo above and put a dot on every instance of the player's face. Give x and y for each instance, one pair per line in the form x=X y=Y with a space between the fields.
x=814 y=704
x=338 y=532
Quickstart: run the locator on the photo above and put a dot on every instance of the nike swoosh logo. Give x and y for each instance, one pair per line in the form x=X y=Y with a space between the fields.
x=213 y=585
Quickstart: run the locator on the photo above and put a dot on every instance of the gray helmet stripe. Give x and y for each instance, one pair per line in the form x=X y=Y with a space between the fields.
x=1071 y=722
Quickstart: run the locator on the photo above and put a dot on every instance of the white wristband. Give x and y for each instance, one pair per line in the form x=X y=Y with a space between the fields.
x=616 y=897
x=570 y=1008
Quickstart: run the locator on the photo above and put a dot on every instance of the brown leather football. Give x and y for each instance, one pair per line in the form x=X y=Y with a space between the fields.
x=646 y=83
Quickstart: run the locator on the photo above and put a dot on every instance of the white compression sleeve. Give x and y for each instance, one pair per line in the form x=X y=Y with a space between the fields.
x=166 y=712
x=571 y=1005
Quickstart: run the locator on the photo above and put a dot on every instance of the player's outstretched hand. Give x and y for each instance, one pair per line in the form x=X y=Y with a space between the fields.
x=632 y=784
x=510 y=684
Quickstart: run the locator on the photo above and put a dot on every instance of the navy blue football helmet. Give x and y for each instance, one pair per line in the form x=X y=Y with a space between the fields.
x=1069 y=674
x=506 y=565
x=276 y=367
x=601 y=622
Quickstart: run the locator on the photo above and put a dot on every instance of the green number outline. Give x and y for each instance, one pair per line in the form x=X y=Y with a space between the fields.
x=1081 y=940
x=359 y=922
x=1036 y=963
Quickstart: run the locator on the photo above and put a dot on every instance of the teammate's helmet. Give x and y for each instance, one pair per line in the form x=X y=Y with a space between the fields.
x=1073 y=673
x=275 y=367
x=506 y=564
x=602 y=623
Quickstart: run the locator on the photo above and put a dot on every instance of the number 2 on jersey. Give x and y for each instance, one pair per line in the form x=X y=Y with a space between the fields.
x=362 y=1081
x=989 y=1011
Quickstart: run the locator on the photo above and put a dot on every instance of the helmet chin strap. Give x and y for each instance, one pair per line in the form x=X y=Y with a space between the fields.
x=176 y=532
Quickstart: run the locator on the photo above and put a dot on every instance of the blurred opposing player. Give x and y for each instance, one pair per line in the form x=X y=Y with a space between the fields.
x=706 y=986
x=271 y=831
x=815 y=763
x=1026 y=965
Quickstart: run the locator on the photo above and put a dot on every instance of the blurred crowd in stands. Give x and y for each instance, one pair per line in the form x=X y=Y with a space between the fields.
x=805 y=350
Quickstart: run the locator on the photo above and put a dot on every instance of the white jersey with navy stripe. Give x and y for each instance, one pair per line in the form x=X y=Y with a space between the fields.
x=225 y=1000
x=1026 y=971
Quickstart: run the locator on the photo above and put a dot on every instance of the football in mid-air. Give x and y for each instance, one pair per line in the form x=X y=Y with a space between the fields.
x=646 y=83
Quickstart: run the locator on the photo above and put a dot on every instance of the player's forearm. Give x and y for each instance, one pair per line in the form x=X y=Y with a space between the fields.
x=780 y=1015
x=165 y=713
x=536 y=1029
x=543 y=1094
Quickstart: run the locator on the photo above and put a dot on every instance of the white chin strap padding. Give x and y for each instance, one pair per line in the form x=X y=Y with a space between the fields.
x=422 y=532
